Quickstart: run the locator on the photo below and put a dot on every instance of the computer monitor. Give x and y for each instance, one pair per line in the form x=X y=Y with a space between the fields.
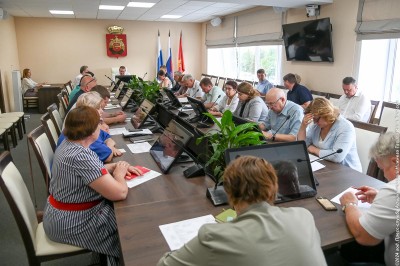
x=173 y=100
x=115 y=85
x=291 y=163
x=126 y=99
x=164 y=116
x=142 y=114
x=200 y=110
x=119 y=89
x=170 y=145
x=124 y=78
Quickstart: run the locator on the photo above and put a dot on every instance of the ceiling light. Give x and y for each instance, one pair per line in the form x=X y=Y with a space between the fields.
x=106 y=7
x=61 y=12
x=141 y=4
x=171 y=16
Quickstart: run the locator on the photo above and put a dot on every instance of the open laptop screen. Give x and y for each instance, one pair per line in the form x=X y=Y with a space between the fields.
x=170 y=145
x=291 y=163
x=142 y=113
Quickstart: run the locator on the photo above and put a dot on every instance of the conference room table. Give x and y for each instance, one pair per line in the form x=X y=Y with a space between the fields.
x=171 y=197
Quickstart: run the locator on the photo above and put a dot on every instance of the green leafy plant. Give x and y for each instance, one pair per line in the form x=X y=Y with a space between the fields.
x=143 y=89
x=228 y=136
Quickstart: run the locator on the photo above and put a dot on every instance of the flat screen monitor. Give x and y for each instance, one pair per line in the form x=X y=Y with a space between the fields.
x=170 y=145
x=291 y=163
x=142 y=114
x=174 y=101
x=200 y=110
x=115 y=85
x=308 y=40
x=126 y=99
x=124 y=78
x=119 y=89
x=164 y=116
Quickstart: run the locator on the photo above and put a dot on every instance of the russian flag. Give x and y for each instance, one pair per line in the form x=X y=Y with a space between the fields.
x=160 y=60
x=169 y=60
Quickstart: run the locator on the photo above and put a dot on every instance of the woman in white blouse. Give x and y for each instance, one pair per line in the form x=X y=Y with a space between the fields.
x=29 y=87
x=229 y=102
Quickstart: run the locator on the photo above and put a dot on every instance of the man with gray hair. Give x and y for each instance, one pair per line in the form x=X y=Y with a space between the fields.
x=354 y=104
x=284 y=117
x=193 y=87
x=177 y=81
x=381 y=221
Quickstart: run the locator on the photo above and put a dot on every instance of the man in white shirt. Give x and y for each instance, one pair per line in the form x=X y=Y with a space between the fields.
x=354 y=104
x=193 y=87
x=83 y=70
x=212 y=94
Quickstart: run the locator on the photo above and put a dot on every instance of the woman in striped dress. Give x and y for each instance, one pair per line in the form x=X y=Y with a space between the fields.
x=79 y=210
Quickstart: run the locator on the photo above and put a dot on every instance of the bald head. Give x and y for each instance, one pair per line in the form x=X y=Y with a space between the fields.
x=275 y=99
x=87 y=83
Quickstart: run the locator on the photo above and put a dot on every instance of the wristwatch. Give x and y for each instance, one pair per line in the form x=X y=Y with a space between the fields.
x=347 y=205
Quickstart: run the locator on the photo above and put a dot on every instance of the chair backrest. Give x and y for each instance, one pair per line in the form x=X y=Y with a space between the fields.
x=56 y=117
x=68 y=87
x=221 y=82
x=63 y=105
x=319 y=94
x=214 y=80
x=44 y=153
x=388 y=114
x=64 y=94
x=374 y=107
x=366 y=136
x=50 y=129
x=334 y=98
x=19 y=200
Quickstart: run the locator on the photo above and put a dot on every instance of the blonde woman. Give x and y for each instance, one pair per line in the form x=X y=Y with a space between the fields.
x=329 y=133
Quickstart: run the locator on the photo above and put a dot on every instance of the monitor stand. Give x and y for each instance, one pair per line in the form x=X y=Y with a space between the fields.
x=184 y=158
x=217 y=195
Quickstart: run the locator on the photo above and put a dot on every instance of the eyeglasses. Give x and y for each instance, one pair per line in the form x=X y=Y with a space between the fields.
x=316 y=119
x=272 y=104
x=93 y=79
x=228 y=88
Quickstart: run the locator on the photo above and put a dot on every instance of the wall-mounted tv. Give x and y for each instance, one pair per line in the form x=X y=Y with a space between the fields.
x=308 y=40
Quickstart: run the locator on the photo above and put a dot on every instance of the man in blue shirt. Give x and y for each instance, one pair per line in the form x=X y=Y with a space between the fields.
x=284 y=117
x=297 y=93
x=263 y=85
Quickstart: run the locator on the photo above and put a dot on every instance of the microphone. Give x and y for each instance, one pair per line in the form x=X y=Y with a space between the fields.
x=219 y=96
x=144 y=75
x=112 y=81
x=276 y=132
x=319 y=159
x=194 y=95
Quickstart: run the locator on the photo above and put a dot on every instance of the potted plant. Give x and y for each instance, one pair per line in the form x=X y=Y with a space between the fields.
x=143 y=89
x=228 y=136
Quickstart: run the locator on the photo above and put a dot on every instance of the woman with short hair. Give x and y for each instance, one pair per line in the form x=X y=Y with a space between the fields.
x=261 y=234
x=329 y=133
x=79 y=210
x=228 y=102
x=250 y=106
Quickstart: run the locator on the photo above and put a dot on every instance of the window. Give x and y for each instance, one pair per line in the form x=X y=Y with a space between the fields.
x=243 y=62
x=379 y=70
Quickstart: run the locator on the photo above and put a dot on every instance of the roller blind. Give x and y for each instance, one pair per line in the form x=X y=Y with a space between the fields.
x=222 y=35
x=378 y=19
x=260 y=27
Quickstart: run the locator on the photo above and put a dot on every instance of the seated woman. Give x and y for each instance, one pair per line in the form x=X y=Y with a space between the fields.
x=250 y=106
x=261 y=234
x=163 y=80
x=229 y=102
x=329 y=133
x=79 y=210
x=29 y=87
x=104 y=146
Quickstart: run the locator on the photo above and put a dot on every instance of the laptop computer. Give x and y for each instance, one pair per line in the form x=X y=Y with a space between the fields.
x=170 y=145
x=291 y=163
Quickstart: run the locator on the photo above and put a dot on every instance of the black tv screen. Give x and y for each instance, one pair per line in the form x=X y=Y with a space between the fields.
x=308 y=40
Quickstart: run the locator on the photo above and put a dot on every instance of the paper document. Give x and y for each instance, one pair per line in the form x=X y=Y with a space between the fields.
x=315 y=166
x=361 y=205
x=46 y=85
x=183 y=100
x=179 y=233
x=112 y=107
x=117 y=131
x=141 y=179
x=139 y=147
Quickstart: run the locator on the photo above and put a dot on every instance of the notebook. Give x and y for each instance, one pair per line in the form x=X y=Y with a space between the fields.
x=291 y=163
x=170 y=145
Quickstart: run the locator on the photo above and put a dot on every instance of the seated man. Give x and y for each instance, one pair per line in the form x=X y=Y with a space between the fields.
x=354 y=104
x=177 y=81
x=122 y=71
x=263 y=85
x=212 y=94
x=193 y=87
x=82 y=71
x=284 y=117
x=297 y=93
x=380 y=222
x=86 y=84
x=78 y=86
x=108 y=117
